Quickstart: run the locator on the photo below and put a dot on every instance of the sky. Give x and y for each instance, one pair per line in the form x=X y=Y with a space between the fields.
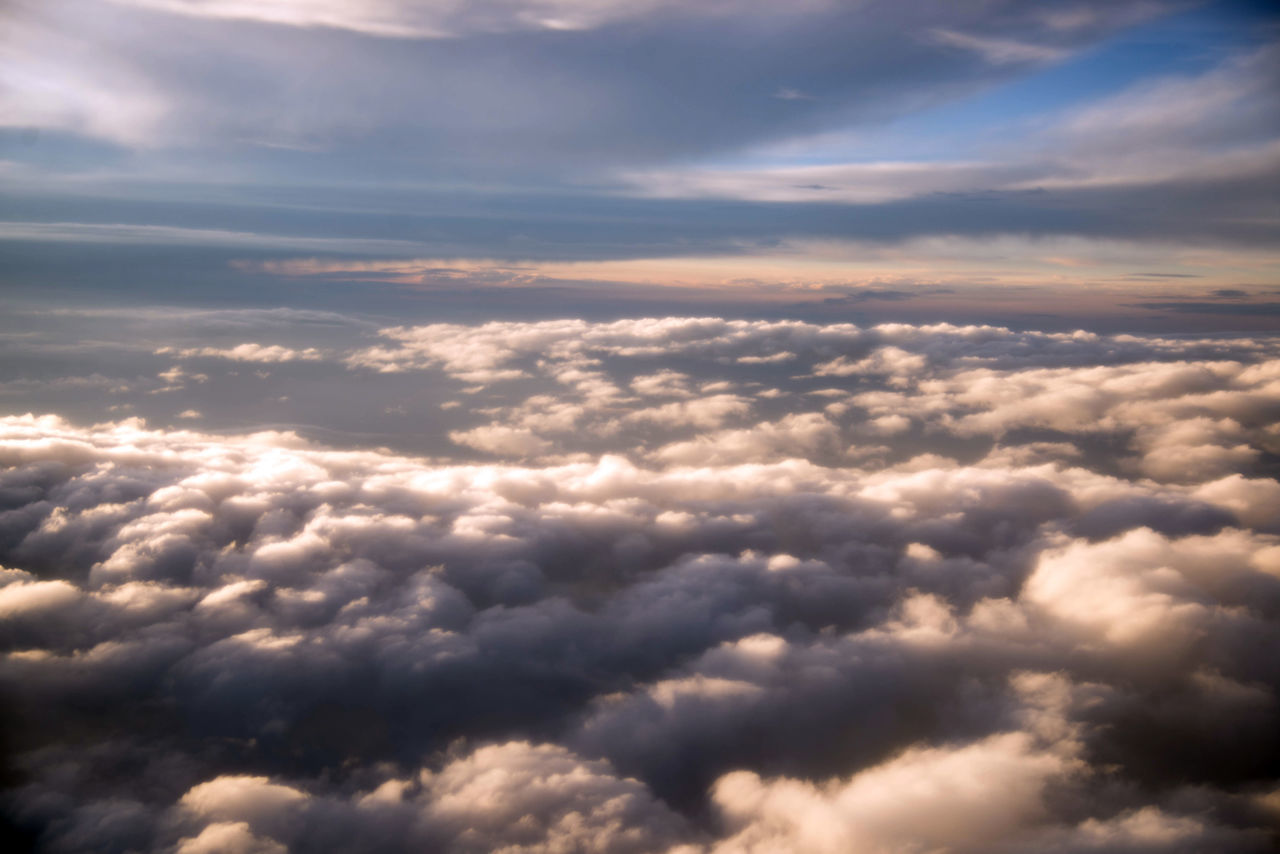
x=650 y=427
x=1076 y=163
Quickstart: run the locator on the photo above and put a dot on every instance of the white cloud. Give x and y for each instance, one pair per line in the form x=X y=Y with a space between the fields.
x=704 y=413
x=247 y=352
x=434 y=19
x=1143 y=591
x=801 y=435
x=924 y=798
x=509 y=441
x=999 y=51
x=228 y=838
x=241 y=798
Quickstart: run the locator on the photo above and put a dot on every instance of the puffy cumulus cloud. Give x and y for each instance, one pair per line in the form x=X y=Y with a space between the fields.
x=1183 y=409
x=1147 y=591
x=924 y=798
x=710 y=411
x=906 y=588
x=522 y=798
x=507 y=441
x=515 y=796
x=800 y=435
x=890 y=361
x=665 y=383
x=228 y=838
x=241 y=799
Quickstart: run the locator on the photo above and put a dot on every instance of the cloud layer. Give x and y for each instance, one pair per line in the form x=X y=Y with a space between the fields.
x=435 y=158
x=686 y=585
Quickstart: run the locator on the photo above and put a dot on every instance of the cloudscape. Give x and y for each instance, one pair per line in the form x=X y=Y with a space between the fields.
x=551 y=426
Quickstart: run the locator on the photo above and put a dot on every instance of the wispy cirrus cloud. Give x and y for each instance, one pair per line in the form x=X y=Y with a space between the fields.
x=999 y=51
x=246 y=352
x=1216 y=126
x=428 y=19
x=162 y=235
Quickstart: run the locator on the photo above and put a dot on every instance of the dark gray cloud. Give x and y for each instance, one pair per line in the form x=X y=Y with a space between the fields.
x=1196 y=307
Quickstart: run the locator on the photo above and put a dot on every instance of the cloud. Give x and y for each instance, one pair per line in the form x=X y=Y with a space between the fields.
x=1141 y=590
x=407 y=19
x=1216 y=126
x=247 y=352
x=1216 y=308
x=829 y=184
x=886 y=360
x=253 y=799
x=507 y=441
x=1187 y=410
x=710 y=411
x=118 y=140
x=997 y=50
x=87 y=69
x=799 y=435
x=985 y=590
x=543 y=798
x=229 y=837
x=979 y=793
x=167 y=235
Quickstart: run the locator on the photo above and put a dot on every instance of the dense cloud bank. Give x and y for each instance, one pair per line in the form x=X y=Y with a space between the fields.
x=685 y=585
